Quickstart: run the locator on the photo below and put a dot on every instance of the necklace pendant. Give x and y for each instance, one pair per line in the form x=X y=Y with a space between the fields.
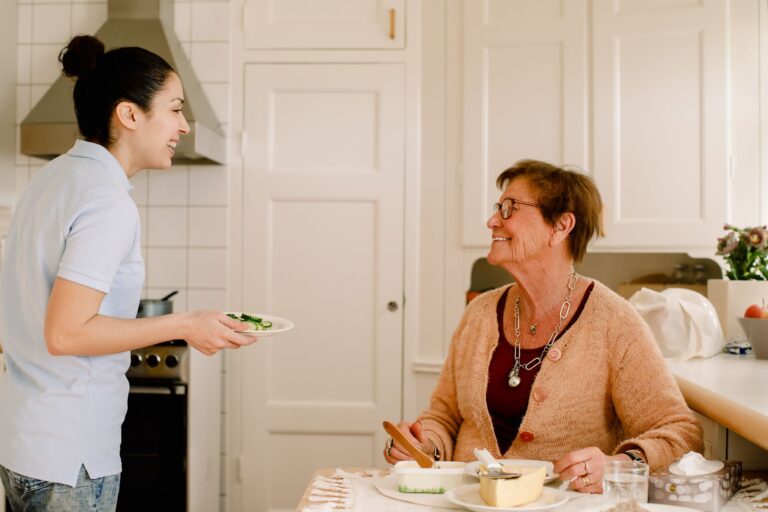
x=514 y=379
x=532 y=328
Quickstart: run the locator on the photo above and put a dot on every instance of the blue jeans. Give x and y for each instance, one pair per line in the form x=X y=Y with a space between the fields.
x=27 y=494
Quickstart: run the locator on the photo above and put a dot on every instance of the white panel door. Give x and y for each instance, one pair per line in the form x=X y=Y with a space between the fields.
x=661 y=124
x=525 y=94
x=323 y=246
x=330 y=24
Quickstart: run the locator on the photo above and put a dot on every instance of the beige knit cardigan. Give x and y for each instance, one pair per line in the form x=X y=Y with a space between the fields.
x=610 y=389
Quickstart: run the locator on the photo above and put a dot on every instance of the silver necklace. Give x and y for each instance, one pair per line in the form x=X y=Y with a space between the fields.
x=565 y=308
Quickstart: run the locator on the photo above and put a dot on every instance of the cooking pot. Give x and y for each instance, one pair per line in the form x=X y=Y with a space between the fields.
x=156 y=307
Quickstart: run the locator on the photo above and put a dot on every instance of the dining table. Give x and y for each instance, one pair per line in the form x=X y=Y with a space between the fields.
x=364 y=494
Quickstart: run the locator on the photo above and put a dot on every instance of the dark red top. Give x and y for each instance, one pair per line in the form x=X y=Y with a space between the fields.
x=507 y=405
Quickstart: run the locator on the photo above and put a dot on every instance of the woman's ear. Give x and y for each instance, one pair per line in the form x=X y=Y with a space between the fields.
x=126 y=113
x=562 y=228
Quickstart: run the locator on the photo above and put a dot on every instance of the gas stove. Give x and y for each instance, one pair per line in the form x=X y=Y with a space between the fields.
x=166 y=362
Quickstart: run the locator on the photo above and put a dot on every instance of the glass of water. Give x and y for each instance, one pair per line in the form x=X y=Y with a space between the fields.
x=625 y=482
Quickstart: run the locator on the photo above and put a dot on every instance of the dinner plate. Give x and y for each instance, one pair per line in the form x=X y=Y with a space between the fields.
x=473 y=466
x=279 y=325
x=387 y=485
x=468 y=496
x=709 y=466
x=650 y=507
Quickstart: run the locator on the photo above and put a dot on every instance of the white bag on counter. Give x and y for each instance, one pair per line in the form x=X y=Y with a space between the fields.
x=683 y=321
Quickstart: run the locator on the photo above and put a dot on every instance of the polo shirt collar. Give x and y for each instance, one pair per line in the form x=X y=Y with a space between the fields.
x=85 y=149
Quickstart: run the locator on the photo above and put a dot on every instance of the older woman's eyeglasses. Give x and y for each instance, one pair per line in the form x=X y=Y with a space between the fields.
x=507 y=206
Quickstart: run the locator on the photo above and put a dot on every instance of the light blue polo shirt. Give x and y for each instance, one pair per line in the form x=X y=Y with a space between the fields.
x=77 y=221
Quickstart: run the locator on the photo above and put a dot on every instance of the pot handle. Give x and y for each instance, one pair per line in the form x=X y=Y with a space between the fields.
x=174 y=292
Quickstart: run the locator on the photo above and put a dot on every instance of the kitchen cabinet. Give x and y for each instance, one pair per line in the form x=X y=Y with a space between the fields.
x=323 y=245
x=660 y=103
x=525 y=95
x=636 y=93
x=324 y=24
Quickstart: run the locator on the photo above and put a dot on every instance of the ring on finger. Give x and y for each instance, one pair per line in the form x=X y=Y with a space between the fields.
x=389 y=446
x=587 y=469
x=585 y=481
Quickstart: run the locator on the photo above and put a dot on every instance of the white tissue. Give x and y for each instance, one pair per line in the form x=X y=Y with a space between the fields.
x=693 y=464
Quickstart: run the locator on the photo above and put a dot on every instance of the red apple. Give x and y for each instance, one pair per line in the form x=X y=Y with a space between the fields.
x=756 y=311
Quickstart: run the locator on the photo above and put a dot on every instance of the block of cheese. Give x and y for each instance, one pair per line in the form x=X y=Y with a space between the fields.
x=512 y=492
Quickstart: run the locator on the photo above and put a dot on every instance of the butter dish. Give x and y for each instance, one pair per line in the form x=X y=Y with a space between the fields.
x=435 y=480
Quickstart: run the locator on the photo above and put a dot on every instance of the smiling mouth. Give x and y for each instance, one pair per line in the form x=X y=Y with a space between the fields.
x=501 y=239
x=172 y=145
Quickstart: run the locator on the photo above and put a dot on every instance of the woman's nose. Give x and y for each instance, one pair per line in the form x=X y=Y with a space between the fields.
x=184 y=128
x=493 y=221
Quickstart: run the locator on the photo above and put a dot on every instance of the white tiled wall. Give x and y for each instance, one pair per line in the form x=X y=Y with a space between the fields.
x=184 y=209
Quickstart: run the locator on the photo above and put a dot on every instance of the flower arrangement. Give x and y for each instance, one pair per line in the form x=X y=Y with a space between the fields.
x=745 y=252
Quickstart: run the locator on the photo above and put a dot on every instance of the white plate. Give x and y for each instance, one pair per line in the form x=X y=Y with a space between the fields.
x=473 y=466
x=468 y=496
x=650 y=507
x=387 y=485
x=710 y=466
x=278 y=324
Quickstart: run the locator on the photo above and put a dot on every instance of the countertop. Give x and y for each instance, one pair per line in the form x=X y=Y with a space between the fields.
x=729 y=389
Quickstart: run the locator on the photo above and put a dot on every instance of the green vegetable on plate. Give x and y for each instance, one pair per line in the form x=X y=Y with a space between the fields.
x=257 y=323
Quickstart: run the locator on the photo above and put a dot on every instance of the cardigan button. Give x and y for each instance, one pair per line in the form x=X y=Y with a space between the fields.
x=526 y=436
x=539 y=394
x=555 y=354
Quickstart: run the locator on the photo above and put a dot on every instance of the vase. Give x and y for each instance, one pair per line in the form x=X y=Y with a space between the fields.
x=731 y=299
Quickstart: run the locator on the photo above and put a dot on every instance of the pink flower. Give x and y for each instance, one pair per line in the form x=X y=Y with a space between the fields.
x=758 y=237
x=727 y=244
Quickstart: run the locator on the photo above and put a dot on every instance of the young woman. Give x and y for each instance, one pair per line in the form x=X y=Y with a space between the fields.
x=71 y=284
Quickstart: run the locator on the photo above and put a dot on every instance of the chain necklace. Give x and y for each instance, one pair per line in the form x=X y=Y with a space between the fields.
x=565 y=308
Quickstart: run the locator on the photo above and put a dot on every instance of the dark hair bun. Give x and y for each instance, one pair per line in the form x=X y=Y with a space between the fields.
x=81 y=55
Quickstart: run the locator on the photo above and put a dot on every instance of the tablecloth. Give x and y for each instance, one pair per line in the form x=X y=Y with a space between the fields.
x=355 y=492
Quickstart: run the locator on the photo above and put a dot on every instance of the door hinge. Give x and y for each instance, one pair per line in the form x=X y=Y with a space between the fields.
x=240 y=468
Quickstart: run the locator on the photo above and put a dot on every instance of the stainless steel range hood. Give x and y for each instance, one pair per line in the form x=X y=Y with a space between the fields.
x=50 y=129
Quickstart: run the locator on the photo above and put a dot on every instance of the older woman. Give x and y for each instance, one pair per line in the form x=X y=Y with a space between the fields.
x=556 y=366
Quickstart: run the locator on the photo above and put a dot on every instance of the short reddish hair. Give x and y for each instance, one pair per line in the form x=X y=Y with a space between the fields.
x=560 y=190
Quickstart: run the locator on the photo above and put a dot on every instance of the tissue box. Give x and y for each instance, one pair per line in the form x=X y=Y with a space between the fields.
x=704 y=492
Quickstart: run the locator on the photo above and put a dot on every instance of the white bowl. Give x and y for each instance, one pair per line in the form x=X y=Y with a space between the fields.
x=756 y=330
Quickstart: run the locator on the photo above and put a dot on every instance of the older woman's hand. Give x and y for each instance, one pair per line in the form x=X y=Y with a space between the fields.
x=584 y=468
x=394 y=453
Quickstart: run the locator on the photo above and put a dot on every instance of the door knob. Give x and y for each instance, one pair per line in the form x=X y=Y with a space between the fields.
x=392 y=306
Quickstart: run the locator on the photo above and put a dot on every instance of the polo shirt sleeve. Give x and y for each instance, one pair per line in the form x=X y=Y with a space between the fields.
x=101 y=235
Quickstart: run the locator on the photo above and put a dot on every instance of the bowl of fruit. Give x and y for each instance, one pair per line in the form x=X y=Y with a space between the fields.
x=755 y=325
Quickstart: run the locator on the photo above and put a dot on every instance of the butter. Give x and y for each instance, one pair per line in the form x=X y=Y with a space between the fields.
x=500 y=492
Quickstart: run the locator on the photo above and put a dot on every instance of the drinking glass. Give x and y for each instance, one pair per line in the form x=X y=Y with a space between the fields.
x=625 y=482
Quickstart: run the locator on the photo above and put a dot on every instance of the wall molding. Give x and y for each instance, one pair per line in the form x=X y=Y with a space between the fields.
x=428 y=366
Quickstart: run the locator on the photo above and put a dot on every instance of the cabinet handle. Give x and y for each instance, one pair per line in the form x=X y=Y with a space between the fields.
x=391 y=23
x=392 y=306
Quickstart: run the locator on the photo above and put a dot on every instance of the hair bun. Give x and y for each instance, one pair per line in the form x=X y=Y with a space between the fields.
x=81 y=55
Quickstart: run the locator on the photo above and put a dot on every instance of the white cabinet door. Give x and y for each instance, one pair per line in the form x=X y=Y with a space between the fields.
x=525 y=94
x=323 y=247
x=660 y=121
x=329 y=24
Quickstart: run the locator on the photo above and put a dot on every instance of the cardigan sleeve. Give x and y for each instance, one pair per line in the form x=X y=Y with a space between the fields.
x=442 y=419
x=647 y=400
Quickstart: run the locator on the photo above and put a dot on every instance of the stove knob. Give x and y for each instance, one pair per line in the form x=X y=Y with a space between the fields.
x=136 y=360
x=153 y=360
x=172 y=361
